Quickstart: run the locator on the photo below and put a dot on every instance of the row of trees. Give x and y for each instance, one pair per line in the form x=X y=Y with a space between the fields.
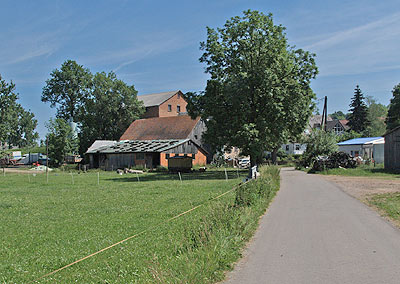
x=101 y=105
x=367 y=117
x=17 y=125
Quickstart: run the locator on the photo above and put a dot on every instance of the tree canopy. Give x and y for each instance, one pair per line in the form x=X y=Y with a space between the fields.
x=376 y=116
x=17 y=125
x=102 y=105
x=61 y=141
x=110 y=109
x=358 y=118
x=259 y=94
x=67 y=88
x=393 y=117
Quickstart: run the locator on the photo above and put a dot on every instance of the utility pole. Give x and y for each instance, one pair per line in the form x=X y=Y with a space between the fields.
x=324 y=114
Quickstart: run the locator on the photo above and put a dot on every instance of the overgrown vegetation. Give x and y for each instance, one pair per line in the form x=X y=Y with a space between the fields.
x=388 y=203
x=46 y=226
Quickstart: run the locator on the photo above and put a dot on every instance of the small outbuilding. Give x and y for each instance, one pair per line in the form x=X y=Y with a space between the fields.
x=147 y=153
x=392 y=149
x=367 y=148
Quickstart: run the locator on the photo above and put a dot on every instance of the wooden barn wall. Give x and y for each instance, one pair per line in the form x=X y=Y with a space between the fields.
x=185 y=148
x=392 y=150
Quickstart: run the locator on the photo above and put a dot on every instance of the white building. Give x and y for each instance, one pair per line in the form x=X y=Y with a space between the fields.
x=367 y=148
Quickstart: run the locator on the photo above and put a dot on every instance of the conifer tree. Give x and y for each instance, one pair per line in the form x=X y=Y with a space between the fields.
x=393 y=117
x=358 y=118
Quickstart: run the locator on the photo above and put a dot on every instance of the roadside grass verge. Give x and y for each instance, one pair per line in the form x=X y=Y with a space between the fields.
x=362 y=171
x=48 y=225
x=388 y=203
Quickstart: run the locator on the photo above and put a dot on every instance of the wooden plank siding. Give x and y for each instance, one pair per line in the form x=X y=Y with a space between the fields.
x=392 y=150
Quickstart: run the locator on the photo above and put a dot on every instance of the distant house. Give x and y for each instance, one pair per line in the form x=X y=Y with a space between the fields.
x=337 y=126
x=164 y=104
x=392 y=149
x=113 y=155
x=368 y=148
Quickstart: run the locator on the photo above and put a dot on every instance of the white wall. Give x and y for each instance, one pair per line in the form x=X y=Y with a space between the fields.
x=291 y=148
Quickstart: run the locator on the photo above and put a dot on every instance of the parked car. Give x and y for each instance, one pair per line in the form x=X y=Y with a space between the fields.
x=244 y=163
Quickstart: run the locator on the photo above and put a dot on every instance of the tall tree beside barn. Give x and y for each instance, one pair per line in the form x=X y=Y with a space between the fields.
x=358 y=117
x=108 y=111
x=393 y=117
x=67 y=88
x=259 y=93
x=61 y=141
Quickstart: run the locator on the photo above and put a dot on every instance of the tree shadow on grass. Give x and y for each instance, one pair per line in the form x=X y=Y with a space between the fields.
x=165 y=176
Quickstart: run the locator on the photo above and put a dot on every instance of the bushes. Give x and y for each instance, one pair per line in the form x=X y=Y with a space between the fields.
x=248 y=194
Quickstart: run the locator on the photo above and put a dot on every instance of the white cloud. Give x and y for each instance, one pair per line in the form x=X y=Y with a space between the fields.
x=372 y=47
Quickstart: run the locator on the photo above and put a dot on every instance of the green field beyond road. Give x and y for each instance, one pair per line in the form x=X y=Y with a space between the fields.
x=45 y=226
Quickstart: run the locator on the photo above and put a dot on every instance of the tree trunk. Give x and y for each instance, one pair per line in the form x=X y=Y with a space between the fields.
x=253 y=162
x=274 y=155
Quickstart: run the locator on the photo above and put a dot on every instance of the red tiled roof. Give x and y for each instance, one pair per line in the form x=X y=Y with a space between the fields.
x=157 y=128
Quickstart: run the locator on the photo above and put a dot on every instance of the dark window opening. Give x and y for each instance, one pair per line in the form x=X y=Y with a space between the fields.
x=297 y=147
x=287 y=147
x=167 y=156
x=178 y=109
x=169 y=108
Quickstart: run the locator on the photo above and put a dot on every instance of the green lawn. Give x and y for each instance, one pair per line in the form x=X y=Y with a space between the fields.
x=363 y=170
x=388 y=203
x=45 y=226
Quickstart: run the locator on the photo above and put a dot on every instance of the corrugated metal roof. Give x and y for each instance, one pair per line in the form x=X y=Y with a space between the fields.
x=98 y=144
x=139 y=146
x=156 y=99
x=363 y=141
x=161 y=128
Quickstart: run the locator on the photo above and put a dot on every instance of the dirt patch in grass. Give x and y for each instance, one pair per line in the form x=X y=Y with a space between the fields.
x=367 y=190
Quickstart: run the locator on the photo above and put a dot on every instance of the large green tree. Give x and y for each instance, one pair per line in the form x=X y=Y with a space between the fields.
x=109 y=110
x=393 y=117
x=61 y=141
x=17 y=125
x=376 y=115
x=259 y=94
x=67 y=88
x=358 y=118
x=24 y=134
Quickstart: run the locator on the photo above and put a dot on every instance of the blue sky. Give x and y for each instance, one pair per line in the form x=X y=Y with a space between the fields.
x=154 y=45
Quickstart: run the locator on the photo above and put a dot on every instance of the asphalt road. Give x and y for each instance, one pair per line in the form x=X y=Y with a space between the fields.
x=316 y=233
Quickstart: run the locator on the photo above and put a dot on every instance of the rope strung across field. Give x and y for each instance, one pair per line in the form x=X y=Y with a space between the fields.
x=138 y=234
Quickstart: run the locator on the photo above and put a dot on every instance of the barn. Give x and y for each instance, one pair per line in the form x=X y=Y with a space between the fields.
x=392 y=149
x=113 y=155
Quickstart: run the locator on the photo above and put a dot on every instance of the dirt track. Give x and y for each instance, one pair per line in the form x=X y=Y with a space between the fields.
x=362 y=187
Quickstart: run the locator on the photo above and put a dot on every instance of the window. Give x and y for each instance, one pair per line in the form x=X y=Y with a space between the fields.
x=166 y=156
x=287 y=147
x=297 y=147
x=179 y=96
x=169 y=108
x=195 y=137
x=178 y=108
x=351 y=153
x=194 y=156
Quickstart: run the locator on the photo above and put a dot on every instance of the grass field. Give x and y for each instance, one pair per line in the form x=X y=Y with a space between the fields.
x=389 y=203
x=363 y=170
x=45 y=226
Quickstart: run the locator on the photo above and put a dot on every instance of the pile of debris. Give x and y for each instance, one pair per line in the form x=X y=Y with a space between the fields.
x=335 y=160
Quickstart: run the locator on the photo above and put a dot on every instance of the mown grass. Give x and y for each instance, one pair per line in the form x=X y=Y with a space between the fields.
x=45 y=226
x=389 y=203
x=362 y=171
